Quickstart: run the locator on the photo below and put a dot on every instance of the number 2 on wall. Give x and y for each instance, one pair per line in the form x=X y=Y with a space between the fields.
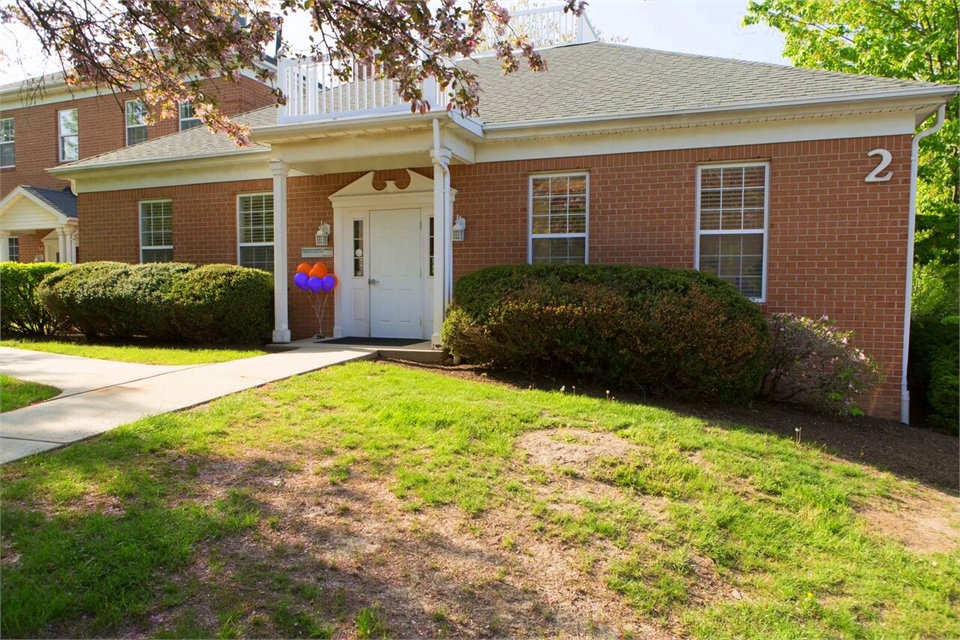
x=885 y=158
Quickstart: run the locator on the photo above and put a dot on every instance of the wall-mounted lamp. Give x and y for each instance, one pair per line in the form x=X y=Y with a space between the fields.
x=459 y=229
x=323 y=234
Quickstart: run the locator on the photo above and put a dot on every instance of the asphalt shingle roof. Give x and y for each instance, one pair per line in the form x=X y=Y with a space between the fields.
x=608 y=79
x=584 y=80
x=63 y=201
x=195 y=142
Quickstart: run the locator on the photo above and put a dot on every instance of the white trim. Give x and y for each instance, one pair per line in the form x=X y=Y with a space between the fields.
x=586 y=233
x=10 y=142
x=140 y=204
x=61 y=135
x=719 y=232
x=21 y=192
x=241 y=244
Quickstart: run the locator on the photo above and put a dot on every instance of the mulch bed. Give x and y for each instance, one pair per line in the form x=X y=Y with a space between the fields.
x=925 y=455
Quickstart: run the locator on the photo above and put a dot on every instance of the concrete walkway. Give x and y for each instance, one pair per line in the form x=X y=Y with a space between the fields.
x=100 y=395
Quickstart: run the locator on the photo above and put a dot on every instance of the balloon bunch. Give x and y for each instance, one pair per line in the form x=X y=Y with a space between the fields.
x=316 y=279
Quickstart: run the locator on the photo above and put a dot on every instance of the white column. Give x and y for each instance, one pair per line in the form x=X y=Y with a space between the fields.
x=62 y=244
x=4 y=246
x=440 y=234
x=69 y=257
x=75 y=240
x=281 y=330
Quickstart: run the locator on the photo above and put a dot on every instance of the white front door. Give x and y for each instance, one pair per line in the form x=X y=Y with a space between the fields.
x=395 y=280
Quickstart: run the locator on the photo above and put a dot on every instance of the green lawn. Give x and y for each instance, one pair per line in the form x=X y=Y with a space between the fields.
x=16 y=393
x=370 y=500
x=135 y=353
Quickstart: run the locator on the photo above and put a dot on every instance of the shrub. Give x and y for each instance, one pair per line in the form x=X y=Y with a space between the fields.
x=661 y=331
x=934 y=366
x=21 y=312
x=82 y=296
x=169 y=301
x=813 y=362
x=224 y=303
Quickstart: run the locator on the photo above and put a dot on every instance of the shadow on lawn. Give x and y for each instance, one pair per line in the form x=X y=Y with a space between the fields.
x=168 y=544
x=924 y=455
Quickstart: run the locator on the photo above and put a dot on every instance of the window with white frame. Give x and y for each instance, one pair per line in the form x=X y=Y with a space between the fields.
x=256 y=231
x=188 y=117
x=732 y=222
x=13 y=246
x=69 y=132
x=156 y=231
x=7 y=153
x=136 y=114
x=358 y=248
x=558 y=218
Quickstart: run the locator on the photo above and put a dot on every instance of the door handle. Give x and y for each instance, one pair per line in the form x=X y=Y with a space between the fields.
x=373 y=281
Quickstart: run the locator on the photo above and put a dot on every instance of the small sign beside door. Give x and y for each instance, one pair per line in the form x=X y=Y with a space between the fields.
x=316 y=252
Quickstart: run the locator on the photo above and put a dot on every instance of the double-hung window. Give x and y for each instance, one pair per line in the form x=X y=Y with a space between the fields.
x=156 y=231
x=188 y=117
x=69 y=130
x=7 y=155
x=13 y=246
x=255 y=227
x=559 y=207
x=732 y=212
x=136 y=114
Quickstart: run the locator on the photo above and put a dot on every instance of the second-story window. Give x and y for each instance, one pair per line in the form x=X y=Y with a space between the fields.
x=7 y=155
x=69 y=135
x=136 y=122
x=188 y=117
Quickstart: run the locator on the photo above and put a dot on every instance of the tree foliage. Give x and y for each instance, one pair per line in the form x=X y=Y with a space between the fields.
x=170 y=46
x=906 y=39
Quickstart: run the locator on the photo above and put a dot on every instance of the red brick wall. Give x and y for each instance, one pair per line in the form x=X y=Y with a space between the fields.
x=837 y=244
x=102 y=129
x=31 y=245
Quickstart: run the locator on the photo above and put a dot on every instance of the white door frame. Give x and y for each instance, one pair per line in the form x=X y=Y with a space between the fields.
x=356 y=201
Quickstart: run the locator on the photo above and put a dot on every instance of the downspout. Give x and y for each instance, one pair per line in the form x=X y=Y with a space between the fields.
x=441 y=233
x=911 y=232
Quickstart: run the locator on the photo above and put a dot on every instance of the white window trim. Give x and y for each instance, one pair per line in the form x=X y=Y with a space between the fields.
x=12 y=143
x=585 y=235
x=240 y=229
x=182 y=119
x=140 y=226
x=13 y=241
x=128 y=126
x=61 y=135
x=766 y=221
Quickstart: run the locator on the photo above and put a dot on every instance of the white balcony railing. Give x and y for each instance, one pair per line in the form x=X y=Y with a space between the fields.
x=314 y=89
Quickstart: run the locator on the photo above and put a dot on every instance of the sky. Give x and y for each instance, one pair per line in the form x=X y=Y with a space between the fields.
x=705 y=27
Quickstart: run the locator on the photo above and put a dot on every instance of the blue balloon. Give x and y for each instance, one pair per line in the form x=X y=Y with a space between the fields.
x=301 y=280
x=328 y=283
x=315 y=284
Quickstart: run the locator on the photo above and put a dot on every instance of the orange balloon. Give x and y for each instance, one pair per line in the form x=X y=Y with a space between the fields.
x=318 y=271
x=322 y=268
x=303 y=267
x=336 y=281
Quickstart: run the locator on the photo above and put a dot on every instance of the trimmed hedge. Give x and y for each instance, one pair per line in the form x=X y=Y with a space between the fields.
x=163 y=301
x=21 y=312
x=661 y=331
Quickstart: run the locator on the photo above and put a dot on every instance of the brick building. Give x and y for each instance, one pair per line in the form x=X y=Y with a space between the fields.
x=44 y=123
x=793 y=185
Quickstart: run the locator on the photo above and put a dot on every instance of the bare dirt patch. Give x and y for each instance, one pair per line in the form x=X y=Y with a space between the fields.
x=927 y=522
x=572 y=448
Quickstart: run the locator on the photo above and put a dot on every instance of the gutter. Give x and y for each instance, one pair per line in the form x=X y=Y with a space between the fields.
x=908 y=289
x=926 y=92
x=229 y=157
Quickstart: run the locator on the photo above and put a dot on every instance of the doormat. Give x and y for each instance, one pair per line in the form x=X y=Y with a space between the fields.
x=375 y=342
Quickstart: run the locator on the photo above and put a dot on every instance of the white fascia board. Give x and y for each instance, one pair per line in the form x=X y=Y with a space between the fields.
x=904 y=97
x=697 y=137
x=172 y=174
x=71 y=171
